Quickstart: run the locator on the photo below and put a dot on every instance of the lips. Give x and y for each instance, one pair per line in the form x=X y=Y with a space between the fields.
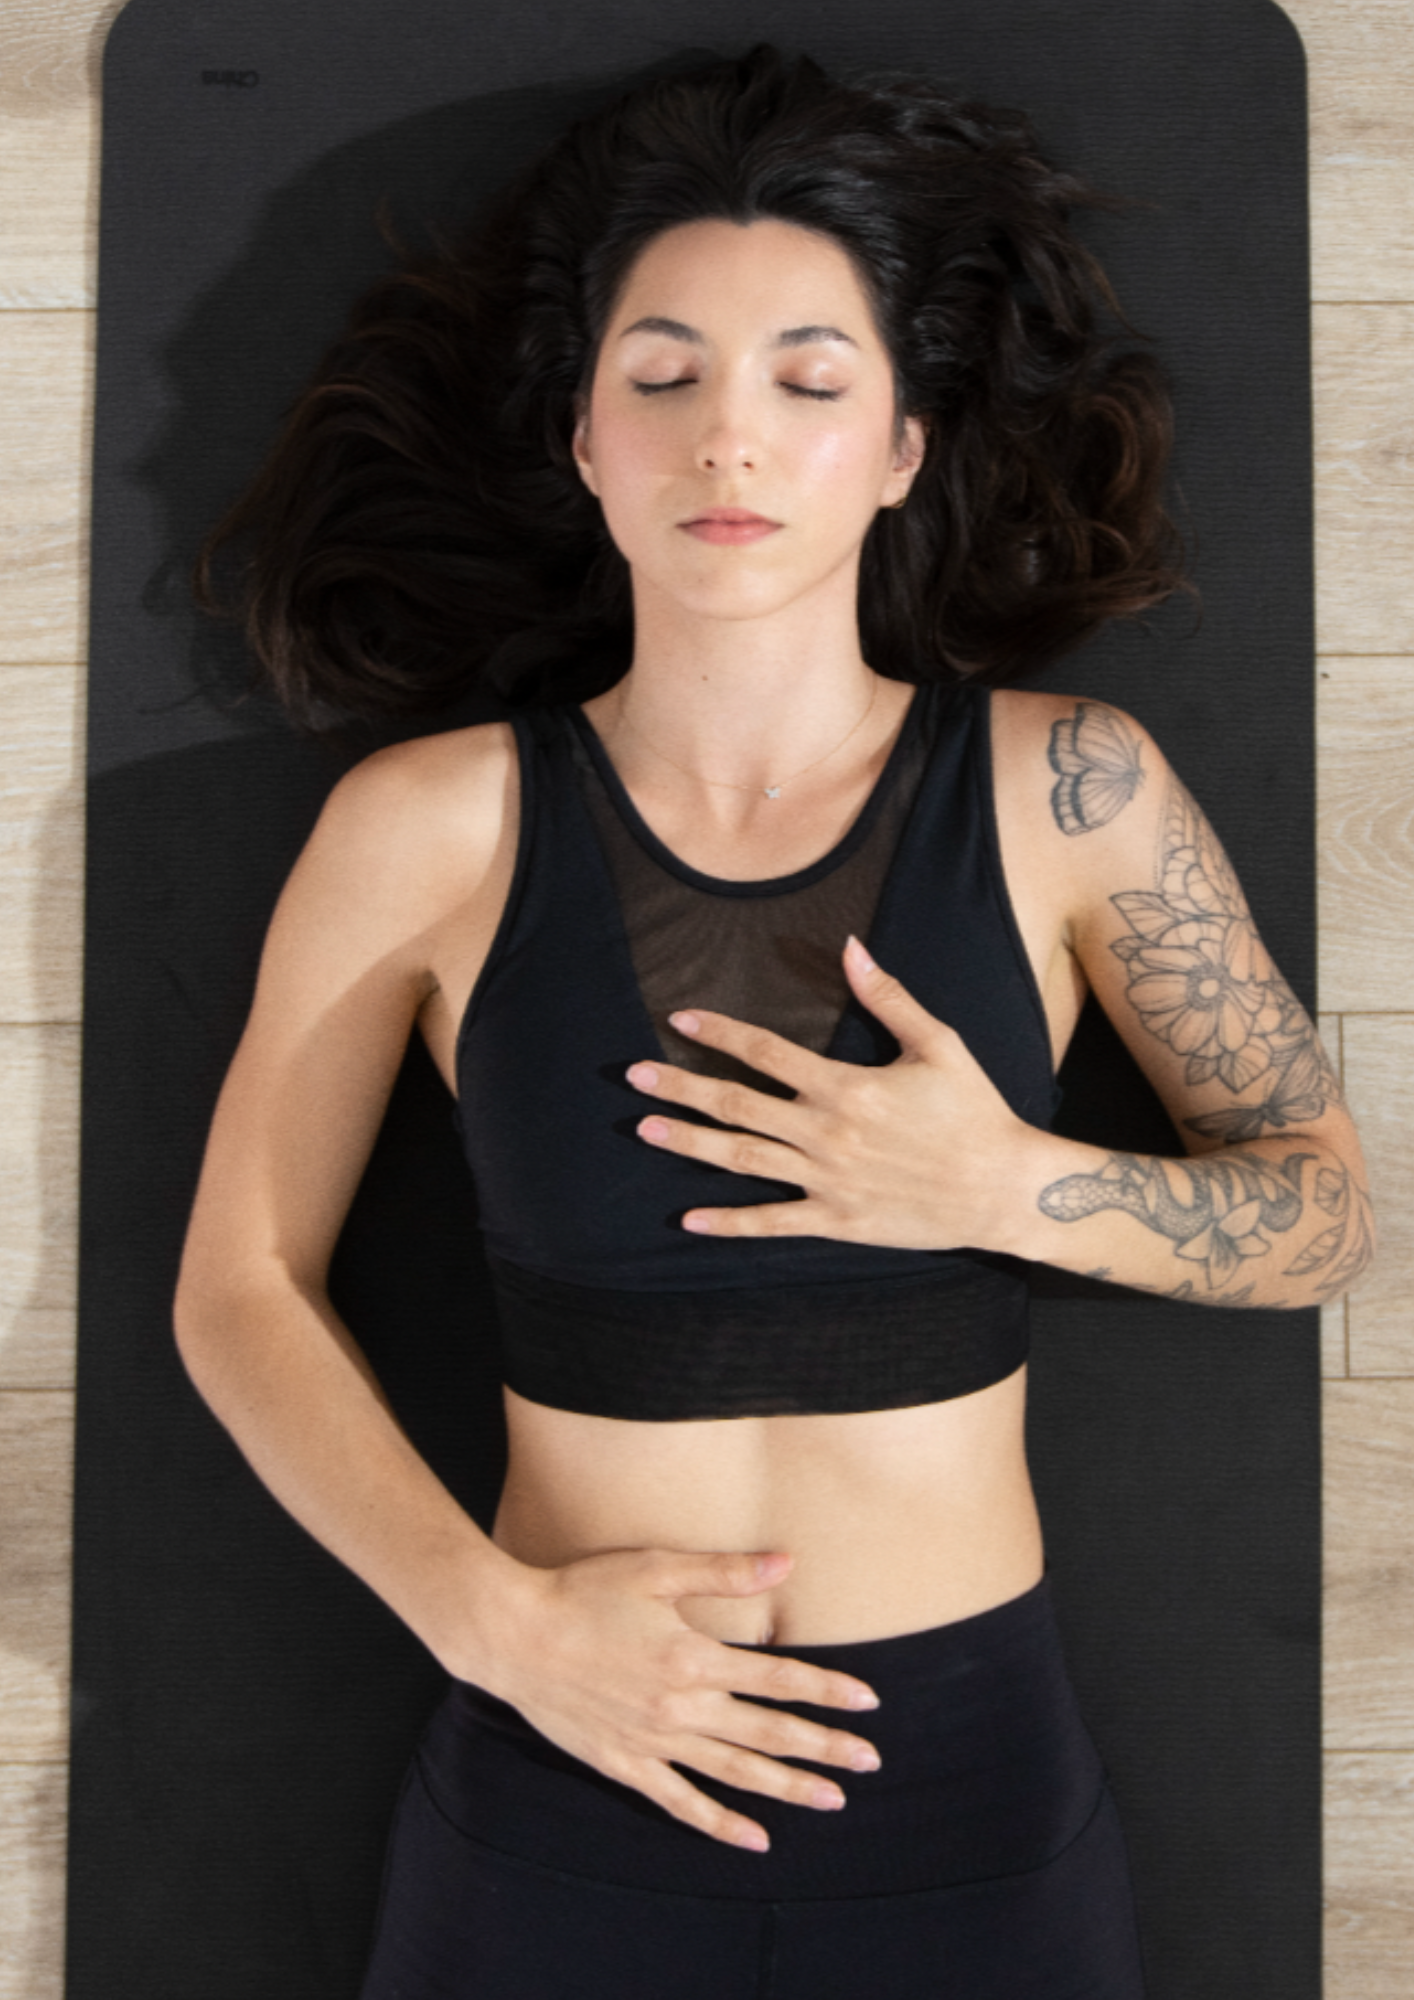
x=729 y=525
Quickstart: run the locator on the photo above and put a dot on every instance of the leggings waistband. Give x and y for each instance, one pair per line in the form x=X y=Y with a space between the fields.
x=907 y=1656
x=987 y=1770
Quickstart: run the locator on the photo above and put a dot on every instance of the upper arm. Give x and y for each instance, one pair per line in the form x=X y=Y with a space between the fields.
x=1175 y=959
x=405 y=851
x=1151 y=908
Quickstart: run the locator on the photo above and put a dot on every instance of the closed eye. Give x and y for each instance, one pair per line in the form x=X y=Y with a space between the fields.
x=687 y=381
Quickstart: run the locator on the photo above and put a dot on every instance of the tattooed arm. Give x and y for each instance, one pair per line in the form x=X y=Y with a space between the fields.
x=1270 y=1207
x=1118 y=885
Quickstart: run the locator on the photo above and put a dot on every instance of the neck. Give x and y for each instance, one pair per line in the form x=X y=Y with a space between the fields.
x=740 y=701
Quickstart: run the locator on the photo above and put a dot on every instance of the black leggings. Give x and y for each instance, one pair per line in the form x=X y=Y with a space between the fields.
x=983 y=1861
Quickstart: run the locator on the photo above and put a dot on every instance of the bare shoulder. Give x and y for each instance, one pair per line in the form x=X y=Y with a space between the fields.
x=1076 y=764
x=429 y=790
x=411 y=836
x=1081 y=789
x=422 y=818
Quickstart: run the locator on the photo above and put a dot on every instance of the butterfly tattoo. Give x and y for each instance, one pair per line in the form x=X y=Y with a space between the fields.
x=1095 y=756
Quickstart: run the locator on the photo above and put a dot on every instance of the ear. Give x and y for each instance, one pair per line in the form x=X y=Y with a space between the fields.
x=579 y=444
x=908 y=456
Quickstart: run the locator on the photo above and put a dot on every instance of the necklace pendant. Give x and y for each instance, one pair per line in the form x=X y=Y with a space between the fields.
x=773 y=791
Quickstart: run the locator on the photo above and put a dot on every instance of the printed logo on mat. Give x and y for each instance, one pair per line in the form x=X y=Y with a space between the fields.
x=232 y=79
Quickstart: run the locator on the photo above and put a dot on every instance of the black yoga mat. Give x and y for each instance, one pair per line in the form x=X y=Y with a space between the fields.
x=243 y=1708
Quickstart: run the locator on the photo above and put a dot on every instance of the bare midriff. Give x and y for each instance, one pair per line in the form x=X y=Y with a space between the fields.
x=897 y=1520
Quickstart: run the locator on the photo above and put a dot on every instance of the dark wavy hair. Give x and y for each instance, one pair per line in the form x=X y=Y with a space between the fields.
x=420 y=528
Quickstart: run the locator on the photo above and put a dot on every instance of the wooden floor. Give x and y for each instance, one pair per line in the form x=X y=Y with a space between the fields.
x=1362 y=108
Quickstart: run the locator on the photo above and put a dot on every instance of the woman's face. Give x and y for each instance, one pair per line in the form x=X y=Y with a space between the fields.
x=740 y=429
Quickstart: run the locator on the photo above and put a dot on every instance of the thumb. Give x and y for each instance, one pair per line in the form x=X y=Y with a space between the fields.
x=718 y=1575
x=916 y=1031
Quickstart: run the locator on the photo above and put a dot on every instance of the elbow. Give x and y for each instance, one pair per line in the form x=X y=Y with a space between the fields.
x=1346 y=1241
x=197 y=1318
x=234 y=1313
x=1360 y=1257
x=1359 y=1240
x=1372 y=1235
x=214 y=1311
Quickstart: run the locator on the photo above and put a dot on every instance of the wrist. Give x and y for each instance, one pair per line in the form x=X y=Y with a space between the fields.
x=486 y=1605
x=1026 y=1165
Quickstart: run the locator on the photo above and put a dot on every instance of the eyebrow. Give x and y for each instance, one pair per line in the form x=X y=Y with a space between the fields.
x=794 y=336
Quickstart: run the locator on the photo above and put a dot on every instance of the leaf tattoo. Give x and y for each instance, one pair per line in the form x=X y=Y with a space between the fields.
x=1095 y=756
x=1343 y=1250
x=1201 y=981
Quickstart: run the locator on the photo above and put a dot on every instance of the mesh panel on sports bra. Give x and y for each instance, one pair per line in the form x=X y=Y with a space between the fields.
x=767 y=952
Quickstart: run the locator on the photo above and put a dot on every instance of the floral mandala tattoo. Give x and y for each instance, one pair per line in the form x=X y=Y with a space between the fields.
x=1201 y=981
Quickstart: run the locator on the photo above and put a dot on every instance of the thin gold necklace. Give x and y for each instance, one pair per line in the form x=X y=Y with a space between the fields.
x=771 y=791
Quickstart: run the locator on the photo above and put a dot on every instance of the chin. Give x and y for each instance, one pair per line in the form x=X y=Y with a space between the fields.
x=730 y=597
x=748 y=595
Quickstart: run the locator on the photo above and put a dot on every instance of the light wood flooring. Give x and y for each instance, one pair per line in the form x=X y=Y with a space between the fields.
x=1362 y=115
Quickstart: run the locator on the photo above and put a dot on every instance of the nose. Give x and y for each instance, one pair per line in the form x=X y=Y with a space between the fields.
x=728 y=440
x=719 y=451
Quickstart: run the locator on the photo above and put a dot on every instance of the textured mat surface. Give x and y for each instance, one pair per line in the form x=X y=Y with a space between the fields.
x=243 y=1709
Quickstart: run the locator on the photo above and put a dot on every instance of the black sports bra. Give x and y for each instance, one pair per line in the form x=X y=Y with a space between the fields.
x=606 y=1304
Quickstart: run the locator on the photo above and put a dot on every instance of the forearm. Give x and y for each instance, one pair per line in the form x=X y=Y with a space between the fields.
x=287 y=1380
x=1271 y=1222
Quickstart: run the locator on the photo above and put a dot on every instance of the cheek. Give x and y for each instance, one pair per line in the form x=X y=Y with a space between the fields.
x=629 y=472
x=852 y=464
x=625 y=453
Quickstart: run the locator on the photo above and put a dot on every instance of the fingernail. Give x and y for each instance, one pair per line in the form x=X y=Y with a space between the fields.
x=827 y=1798
x=864 y=1698
x=864 y=1760
x=861 y=956
x=698 y=1224
x=654 y=1130
x=755 y=1840
x=686 y=1024
x=644 y=1075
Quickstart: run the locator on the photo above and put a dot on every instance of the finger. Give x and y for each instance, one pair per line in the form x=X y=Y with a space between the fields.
x=733 y=1104
x=675 y=1795
x=757 y=1047
x=738 y=1152
x=778 y=1678
x=716 y=1573
x=730 y=1764
x=767 y=1218
x=777 y=1733
x=916 y=1031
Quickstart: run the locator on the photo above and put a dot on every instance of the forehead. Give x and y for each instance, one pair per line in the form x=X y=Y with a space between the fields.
x=770 y=272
